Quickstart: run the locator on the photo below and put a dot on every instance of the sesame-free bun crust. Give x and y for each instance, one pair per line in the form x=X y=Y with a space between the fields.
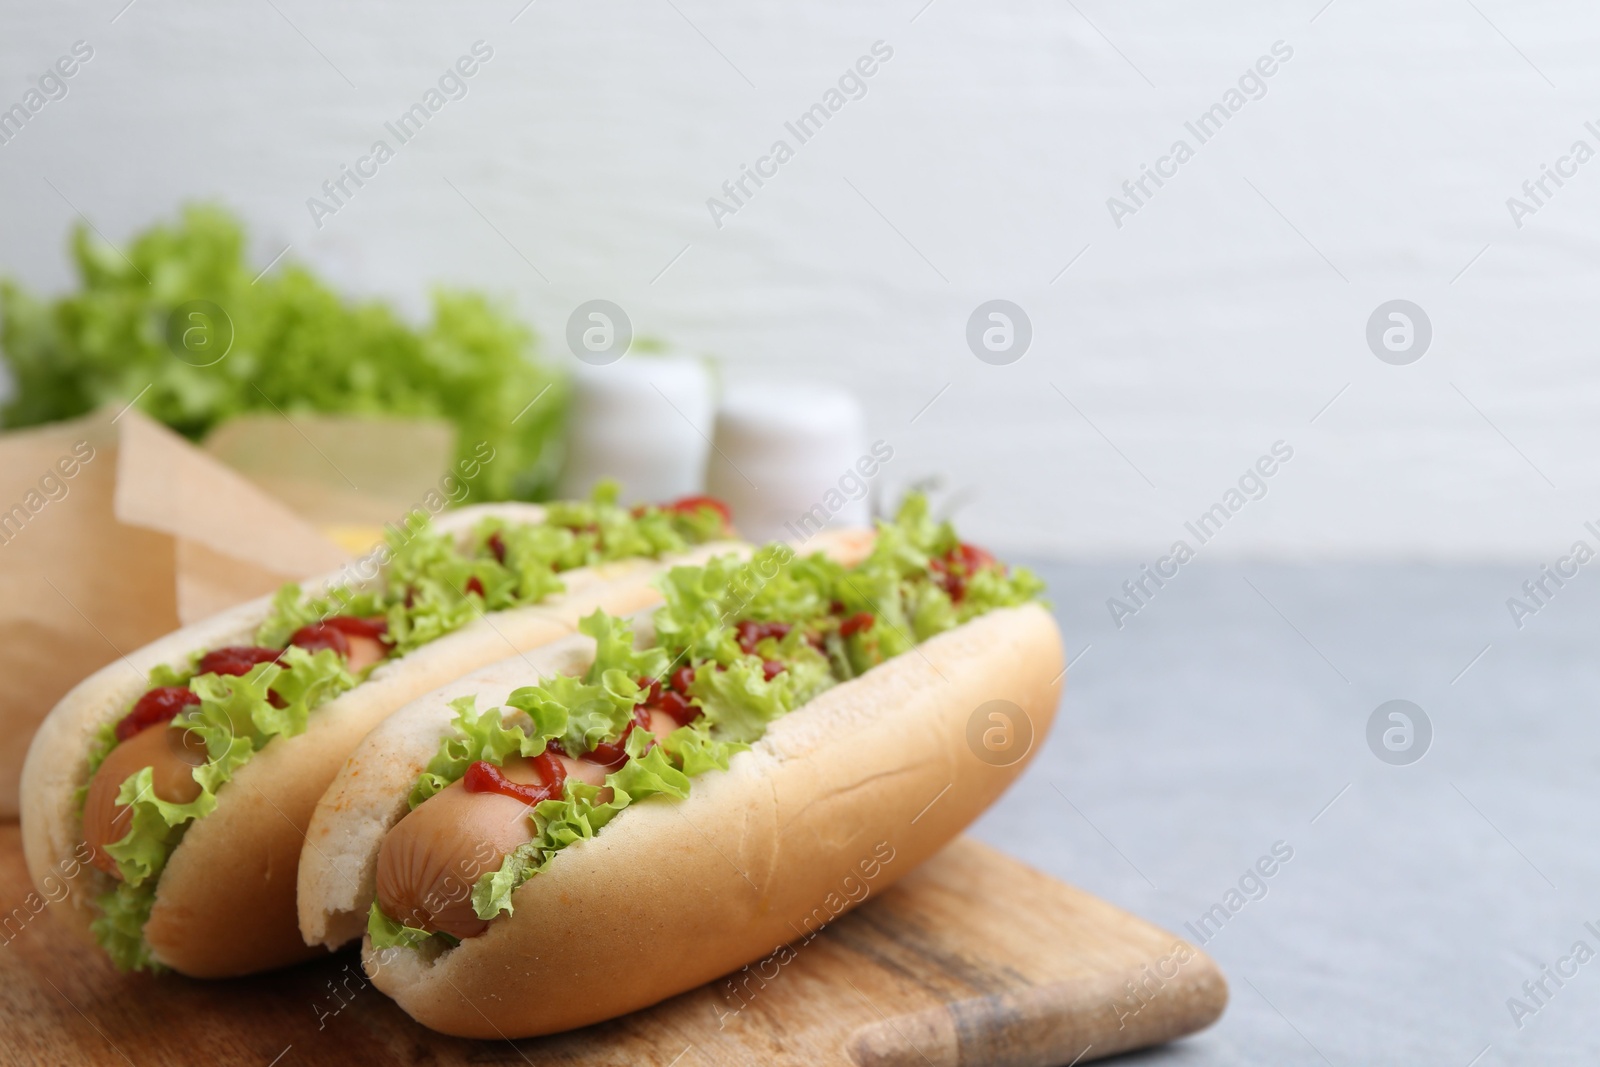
x=672 y=894
x=225 y=903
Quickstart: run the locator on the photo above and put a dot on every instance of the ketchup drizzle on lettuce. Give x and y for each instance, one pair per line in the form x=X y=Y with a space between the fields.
x=429 y=587
x=918 y=581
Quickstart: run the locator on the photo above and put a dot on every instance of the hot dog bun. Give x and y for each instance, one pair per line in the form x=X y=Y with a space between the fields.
x=225 y=905
x=338 y=863
x=674 y=893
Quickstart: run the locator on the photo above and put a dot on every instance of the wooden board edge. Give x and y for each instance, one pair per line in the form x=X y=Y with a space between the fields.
x=1048 y=1025
x=1073 y=1021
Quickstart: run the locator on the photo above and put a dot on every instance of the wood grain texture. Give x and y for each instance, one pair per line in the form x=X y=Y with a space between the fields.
x=975 y=959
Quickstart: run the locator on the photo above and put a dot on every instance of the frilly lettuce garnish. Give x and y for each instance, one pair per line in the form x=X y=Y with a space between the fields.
x=902 y=584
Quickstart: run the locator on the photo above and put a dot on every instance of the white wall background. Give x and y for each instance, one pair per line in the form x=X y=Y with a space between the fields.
x=977 y=166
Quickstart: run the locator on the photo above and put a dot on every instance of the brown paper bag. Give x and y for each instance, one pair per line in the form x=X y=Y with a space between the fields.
x=114 y=531
x=347 y=475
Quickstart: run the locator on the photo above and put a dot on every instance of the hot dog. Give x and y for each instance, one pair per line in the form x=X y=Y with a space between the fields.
x=190 y=768
x=628 y=813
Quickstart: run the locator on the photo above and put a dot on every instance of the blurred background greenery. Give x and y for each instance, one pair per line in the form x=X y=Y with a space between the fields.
x=146 y=324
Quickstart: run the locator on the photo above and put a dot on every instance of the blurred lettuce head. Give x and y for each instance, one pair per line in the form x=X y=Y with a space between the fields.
x=185 y=315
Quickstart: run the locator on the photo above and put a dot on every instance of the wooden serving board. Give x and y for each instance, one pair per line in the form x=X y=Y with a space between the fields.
x=974 y=959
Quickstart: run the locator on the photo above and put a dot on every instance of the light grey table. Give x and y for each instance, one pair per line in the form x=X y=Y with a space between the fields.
x=1231 y=713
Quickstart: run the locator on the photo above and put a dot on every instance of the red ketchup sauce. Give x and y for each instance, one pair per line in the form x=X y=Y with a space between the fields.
x=159 y=705
x=163 y=703
x=235 y=659
x=750 y=632
x=484 y=777
x=694 y=503
x=673 y=698
x=689 y=504
x=968 y=559
x=861 y=620
x=335 y=633
x=373 y=626
x=681 y=679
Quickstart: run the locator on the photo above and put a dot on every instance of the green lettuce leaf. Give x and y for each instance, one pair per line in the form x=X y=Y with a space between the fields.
x=156 y=826
x=119 y=926
x=648 y=771
x=557 y=824
x=534 y=553
x=694 y=750
x=703 y=603
x=991 y=588
x=807 y=669
x=580 y=712
x=576 y=817
x=491 y=893
x=701 y=524
x=598 y=706
x=484 y=735
x=161 y=674
x=389 y=933
x=289 y=612
x=426 y=578
x=307 y=680
x=603 y=530
x=594 y=712
x=614 y=649
x=739 y=702
x=898 y=585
